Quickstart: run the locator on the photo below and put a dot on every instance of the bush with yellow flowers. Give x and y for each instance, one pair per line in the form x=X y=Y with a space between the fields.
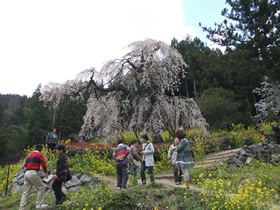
x=255 y=186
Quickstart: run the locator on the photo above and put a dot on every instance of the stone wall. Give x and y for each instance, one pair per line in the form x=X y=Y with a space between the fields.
x=265 y=152
x=78 y=180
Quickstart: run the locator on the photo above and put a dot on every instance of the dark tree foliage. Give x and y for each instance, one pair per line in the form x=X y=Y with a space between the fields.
x=236 y=70
x=40 y=120
x=254 y=24
x=220 y=108
x=205 y=68
x=3 y=106
x=69 y=119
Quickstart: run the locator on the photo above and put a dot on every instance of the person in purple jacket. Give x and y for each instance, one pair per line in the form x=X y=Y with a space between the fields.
x=120 y=155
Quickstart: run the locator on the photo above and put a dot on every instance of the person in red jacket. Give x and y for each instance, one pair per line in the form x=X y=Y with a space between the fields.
x=32 y=164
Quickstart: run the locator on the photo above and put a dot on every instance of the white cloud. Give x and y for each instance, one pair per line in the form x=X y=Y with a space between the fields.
x=52 y=41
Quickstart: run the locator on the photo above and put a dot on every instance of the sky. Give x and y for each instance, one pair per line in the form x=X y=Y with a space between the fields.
x=54 y=40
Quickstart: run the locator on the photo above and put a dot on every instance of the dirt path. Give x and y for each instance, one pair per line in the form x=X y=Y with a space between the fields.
x=166 y=178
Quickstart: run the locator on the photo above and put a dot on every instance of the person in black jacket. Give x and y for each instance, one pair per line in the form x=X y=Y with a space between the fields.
x=61 y=174
x=275 y=127
x=51 y=139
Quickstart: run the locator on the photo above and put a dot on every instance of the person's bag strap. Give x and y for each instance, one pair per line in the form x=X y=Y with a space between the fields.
x=146 y=145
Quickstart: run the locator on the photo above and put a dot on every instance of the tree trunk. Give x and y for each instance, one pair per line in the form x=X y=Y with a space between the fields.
x=255 y=103
x=187 y=89
x=276 y=90
x=157 y=138
x=194 y=89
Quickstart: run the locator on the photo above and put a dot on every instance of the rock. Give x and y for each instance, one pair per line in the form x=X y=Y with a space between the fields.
x=20 y=182
x=272 y=160
x=49 y=179
x=73 y=182
x=42 y=174
x=271 y=146
x=47 y=187
x=221 y=163
x=73 y=189
x=15 y=179
x=242 y=158
x=238 y=162
x=18 y=188
x=92 y=186
x=73 y=137
x=63 y=189
x=85 y=178
x=249 y=160
x=250 y=155
x=242 y=151
x=20 y=171
x=254 y=149
x=78 y=175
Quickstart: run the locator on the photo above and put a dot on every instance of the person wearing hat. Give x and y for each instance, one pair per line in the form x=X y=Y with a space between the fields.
x=51 y=139
x=148 y=159
x=31 y=178
x=61 y=174
x=275 y=127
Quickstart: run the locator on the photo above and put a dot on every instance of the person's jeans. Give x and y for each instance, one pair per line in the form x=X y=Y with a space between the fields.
x=150 y=172
x=186 y=174
x=175 y=172
x=59 y=195
x=131 y=169
x=122 y=175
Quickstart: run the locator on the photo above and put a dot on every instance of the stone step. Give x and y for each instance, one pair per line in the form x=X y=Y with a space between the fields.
x=219 y=157
x=210 y=160
x=207 y=162
x=228 y=152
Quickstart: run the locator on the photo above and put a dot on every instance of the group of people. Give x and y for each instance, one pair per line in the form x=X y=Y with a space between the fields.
x=126 y=157
x=32 y=165
x=127 y=162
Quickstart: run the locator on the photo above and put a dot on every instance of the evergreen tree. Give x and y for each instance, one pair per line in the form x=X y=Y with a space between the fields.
x=220 y=108
x=40 y=120
x=254 y=25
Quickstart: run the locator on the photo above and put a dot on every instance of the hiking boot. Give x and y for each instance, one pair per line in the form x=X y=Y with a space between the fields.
x=62 y=200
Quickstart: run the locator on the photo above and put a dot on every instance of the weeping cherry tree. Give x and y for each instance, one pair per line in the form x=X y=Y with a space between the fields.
x=129 y=94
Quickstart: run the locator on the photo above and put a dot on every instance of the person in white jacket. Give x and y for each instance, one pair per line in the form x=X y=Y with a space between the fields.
x=172 y=155
x=148 y=159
